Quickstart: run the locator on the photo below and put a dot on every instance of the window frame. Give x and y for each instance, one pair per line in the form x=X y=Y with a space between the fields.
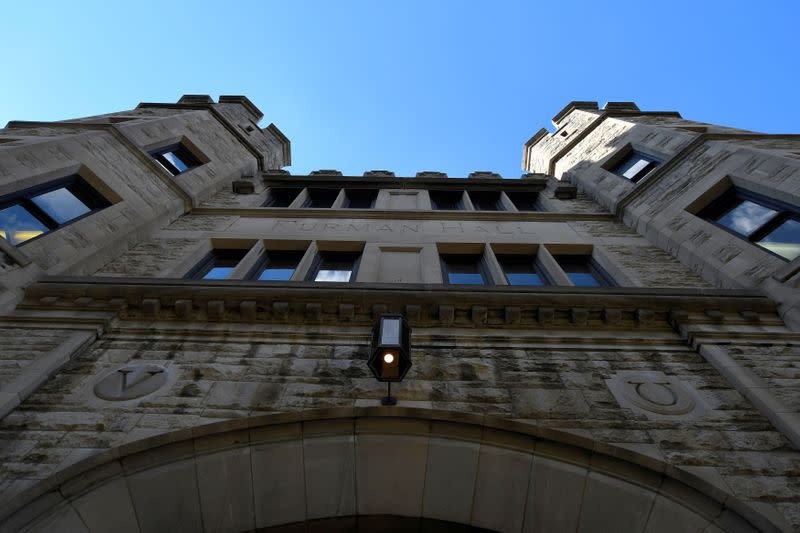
x=265 y=260
x=623 y=155
x=158 y=157
x=785 y=211
x=268 y=202
x=311 y=191
x=483 y=268
x=498 y=204
x=206 y=264
x=528 y=259
x=459 y=205
x=364 y=192
x=604 y=279
x=320 y=258
x=75 y=184
x=535 y=204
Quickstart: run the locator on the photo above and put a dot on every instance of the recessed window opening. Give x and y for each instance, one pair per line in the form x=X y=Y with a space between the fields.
x=770 y=224
x=40 y=210
x=521 y=270
x=486 y=200
x=219 y=264
x=524 y=201
x=360 y=198
x=583 y=271
x=281 y=196
x=464 y=269
x=321 y=198
x=335 y=267
x=277 y=265
x=635 y=165
x=446 y=200
x=176 y=159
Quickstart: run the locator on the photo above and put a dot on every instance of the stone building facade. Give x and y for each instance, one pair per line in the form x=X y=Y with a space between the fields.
x=609 y=343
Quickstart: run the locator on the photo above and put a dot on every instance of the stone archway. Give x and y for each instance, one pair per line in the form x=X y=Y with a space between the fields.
x=294 y=468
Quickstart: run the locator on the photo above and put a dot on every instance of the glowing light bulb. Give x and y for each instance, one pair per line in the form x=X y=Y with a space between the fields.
x=388 y=358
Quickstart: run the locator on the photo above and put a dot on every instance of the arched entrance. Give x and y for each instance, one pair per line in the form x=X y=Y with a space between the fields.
x=313 y=467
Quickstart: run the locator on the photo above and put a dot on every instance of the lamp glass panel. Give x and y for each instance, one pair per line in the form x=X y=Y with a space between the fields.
x=390 y=331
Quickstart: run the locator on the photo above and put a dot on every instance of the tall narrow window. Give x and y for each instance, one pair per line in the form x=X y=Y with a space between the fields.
x=277 y=265
x=335 y=266
x=583 y=271
x=635 y=166
x=176 y=159
x=360 y=198
x=39 y=210
x=281 y=196
x=446 y=200
x=464 y=269
x=524 y=200
x=321 y=198
x=486 y=200
x=219 y=264
x=770 y=224
x=521 y=270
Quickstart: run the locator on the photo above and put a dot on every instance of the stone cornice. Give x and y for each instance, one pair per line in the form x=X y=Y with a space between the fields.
x=744 y=314
x=397 y=214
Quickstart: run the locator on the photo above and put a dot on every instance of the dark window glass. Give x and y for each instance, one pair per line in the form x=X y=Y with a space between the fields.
x=582 y=271
x=278 y=265
x=635 y=165
x=39 y=210
x=520 y=270
x=219 y=264
x=360 y=198
x=335 y=266
x=486 y=200
x=446 y=200
x=464 y=269
x=176 y=159
x=768 y=223
x=321 y=198
x=524 y=201
x=281 y=196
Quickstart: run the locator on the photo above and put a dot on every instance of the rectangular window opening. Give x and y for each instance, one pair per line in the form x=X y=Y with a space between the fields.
x=464 y=269
x=335 y=267
x=28 y=214
x=486 y=200
x=281 y=196
x=219 y=264
x=583 y=271
x=446 y=200
x=524 y=201
x=770 y=224
x=277 y=265
x=360 y=198
x=321 y=198
x=635 y=165
x=176 y=159
x=521 y=270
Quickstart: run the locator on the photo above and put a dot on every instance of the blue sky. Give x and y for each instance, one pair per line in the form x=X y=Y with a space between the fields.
x=406 y=86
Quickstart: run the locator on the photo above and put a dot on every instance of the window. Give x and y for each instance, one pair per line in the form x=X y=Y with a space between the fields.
x=39 y=210
x=321 y=198
x=176 y=159
x=277 y=265
x=635 y=165
x=335 y=266
x=219 y=264
x=281 y=196
x=464 y=269
x=486 y=200
x=524 y=201
x=583 y=271
x=520 y=270
x=770 y=224
x=360 y=198
x=446 y=200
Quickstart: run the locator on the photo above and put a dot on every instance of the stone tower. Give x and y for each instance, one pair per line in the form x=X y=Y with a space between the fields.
x=607 y=344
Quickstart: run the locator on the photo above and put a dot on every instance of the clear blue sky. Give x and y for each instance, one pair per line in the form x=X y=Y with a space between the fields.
x=406 y=86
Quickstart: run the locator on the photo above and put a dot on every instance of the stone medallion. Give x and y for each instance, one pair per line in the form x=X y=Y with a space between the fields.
x=652 y=392
x=131 y=381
